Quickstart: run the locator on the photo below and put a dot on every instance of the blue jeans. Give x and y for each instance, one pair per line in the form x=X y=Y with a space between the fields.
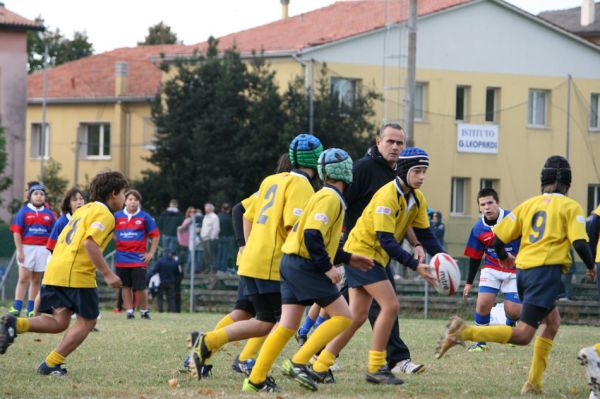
x=169 y=243
x=224 y=249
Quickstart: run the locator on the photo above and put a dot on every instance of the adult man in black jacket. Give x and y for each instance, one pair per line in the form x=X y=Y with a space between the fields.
x=370 y=173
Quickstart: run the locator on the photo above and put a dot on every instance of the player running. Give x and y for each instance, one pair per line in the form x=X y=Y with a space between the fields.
x=494 y=277
x=548 y=224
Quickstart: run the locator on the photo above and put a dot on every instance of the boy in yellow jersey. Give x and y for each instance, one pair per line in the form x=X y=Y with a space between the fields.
x=280 y=201
x=548 y=224
x=394 y=207
x=590 y=357
x=243 y=309
x=69 y=284
x=308 y=275
x=594 y=234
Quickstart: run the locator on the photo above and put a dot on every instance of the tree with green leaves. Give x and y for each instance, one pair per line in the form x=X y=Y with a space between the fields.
x=159 y=34
x=335 y=123
x=60 y=48
x=56 y=186
x=222 y=124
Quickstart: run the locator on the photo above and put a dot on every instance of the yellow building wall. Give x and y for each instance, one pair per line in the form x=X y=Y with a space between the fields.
x=522 y=150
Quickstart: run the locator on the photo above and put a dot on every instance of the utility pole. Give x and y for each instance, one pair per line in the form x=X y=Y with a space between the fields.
x=411 y=75
x=43 y=148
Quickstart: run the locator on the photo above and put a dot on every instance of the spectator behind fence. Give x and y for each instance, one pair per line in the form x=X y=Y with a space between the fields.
x=225 y=240
x=210 y=235
x=167 y=267
x=168 y=221
x=188 y=240
x=438 y=226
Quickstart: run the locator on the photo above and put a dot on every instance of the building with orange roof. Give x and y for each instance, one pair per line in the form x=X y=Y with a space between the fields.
x=13 y=100
x=498 y=90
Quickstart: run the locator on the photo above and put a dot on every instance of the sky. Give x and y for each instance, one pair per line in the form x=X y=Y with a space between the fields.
x=112 y=24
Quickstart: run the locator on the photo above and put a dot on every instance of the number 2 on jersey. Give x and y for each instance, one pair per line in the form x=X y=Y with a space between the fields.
x=538 y=225
x=269 y=195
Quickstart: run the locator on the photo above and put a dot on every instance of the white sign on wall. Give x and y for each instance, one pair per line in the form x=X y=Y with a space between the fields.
x=481 y=139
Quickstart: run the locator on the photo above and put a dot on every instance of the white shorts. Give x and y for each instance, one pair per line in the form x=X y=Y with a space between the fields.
x=498 y=281
x=36 y=257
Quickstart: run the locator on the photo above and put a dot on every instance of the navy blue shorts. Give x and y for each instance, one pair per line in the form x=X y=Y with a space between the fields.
x=242 y=302
x=132 y=277
x=538 y=288
x=303 y=284
x=265 y=296
x=83 y=301
x=357 y=278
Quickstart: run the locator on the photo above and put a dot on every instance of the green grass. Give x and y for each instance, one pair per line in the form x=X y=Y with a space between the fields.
x=135 y=359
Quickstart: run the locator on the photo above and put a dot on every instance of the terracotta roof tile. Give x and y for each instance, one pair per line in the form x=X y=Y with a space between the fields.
x=10 y=19
x=570 y=20
x=94 y=76
x=340 y=20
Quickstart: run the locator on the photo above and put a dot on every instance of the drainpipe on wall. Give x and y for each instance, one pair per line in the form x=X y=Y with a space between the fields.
x=310 y=93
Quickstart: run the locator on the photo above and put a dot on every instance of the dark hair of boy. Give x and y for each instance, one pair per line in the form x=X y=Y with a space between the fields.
x=488 y=192
x=106 y=183
x=135 y=193
x=65 y=205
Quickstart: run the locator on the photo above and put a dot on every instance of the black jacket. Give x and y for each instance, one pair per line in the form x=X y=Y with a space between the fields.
x=369 y=174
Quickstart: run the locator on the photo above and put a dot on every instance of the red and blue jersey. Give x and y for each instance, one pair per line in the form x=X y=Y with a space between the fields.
x=60 y=224
x=33 y=224
x=481 y=243
x=131 y=234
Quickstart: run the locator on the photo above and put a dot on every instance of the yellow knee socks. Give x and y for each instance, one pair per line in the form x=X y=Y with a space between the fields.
x=541 y=351
x=54 y=359
x=224 y=322
x=271 y=349
x=325 y=360
x=321 y=337
x=252 y=347
x=214 y=340
x=500 y=334
x=22 y=325
x=376 y=360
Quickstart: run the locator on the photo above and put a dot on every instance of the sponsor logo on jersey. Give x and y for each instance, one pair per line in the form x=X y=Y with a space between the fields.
x=98 y=225
x=322 y=218
x=297 y=211
x=384 y=210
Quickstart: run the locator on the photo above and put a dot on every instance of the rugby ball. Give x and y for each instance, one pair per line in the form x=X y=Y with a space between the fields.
x=446 y=272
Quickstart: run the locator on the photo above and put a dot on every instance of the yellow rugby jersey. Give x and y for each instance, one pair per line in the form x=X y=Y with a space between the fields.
x=247 y=204
x=280 y=201
x=70 y=265
x=547 y=224
x=597 y=212
x=324 y=212
x=388 y=212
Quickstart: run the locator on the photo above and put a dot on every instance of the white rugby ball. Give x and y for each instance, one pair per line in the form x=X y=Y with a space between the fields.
x=446 y=272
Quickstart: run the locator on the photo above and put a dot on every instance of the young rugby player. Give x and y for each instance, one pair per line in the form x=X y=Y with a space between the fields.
x=548 y=224
x=69 y=285
x=494 y=277
x=280 y=201
x=31 y=228
x=243 y=308
x=72 y=201
x=133 y=227
x=308 y=275
x=394 y=207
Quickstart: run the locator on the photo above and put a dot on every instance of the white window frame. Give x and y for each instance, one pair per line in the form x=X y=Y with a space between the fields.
x=148 y=134
x=533 y=119
x=593 y=191
x=85 y=143
x=343 y=98
x=465 y=107
x=37 y=128
x=595 y=112
x=496 y=92
x=420 y=93
x=483 y=180
x=458 y=205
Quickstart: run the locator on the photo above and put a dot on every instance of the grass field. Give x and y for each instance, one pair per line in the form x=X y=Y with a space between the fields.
x=136 y=358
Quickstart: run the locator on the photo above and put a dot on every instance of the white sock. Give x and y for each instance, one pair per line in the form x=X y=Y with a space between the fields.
x=130 y=311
